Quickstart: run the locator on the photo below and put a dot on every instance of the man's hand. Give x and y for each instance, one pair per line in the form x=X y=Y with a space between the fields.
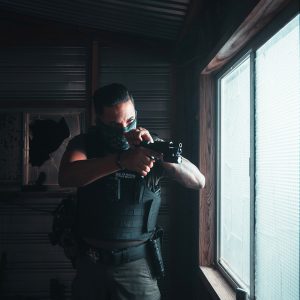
x=138 y=160
x=136 y=136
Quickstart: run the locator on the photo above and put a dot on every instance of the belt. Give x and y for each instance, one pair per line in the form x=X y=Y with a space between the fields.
x=115 y=257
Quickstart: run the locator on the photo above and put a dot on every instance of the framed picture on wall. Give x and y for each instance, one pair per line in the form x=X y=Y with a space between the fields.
x=46 y=135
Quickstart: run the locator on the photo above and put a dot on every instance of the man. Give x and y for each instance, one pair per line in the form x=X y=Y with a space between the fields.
x=118 y=200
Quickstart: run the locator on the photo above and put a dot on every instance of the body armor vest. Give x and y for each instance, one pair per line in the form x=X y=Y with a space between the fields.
x=119 y=206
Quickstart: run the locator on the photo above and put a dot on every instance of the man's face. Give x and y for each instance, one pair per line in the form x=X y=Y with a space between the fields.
x=114 y=121
x=119 y=116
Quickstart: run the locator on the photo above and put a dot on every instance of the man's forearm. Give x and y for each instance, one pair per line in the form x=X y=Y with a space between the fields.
x=82 y=172
x=185 y=173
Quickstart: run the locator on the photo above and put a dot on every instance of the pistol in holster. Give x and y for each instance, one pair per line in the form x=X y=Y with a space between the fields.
x=155 y=245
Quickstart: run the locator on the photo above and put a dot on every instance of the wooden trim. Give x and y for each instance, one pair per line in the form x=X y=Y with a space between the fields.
x=207 y=166
x=259 y=17
x=216 y=284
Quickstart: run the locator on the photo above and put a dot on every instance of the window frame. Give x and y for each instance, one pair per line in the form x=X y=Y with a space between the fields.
x=240 y=59
x=250 y=51
x=218 y=281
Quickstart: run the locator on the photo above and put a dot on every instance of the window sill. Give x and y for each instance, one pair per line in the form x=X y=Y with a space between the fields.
x=216 y=284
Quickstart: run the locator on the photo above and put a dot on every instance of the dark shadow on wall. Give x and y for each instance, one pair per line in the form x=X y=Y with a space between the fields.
x=45 y=137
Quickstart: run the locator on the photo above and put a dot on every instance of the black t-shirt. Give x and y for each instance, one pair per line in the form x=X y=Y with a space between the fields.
x=79 y=143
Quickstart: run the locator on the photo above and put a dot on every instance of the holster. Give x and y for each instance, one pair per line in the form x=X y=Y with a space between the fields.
x=156 y=260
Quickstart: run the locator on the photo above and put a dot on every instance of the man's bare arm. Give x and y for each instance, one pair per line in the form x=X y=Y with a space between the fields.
x=185 y=173
x=76 y=170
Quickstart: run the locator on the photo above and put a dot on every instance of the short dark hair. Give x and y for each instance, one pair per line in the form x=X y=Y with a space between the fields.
x=110 y=95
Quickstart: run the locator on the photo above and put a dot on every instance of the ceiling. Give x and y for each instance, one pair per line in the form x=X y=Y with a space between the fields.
x=161 y=19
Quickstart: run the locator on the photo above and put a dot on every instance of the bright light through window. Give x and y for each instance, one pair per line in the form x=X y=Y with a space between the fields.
x=235 y=181
x=268 y=252
x=278 y=166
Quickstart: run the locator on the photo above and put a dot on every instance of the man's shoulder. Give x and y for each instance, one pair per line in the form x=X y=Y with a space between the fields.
x=89 y=142
x=77 y=142
x=84 y=135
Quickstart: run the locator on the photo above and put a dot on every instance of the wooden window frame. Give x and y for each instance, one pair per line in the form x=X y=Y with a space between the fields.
x=269 y=16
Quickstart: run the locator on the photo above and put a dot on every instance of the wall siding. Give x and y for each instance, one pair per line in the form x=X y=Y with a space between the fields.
x=37 y=77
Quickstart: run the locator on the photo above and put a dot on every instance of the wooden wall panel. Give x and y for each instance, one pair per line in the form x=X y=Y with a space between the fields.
x=25 y=221
x=57 y=78
x=147 y=76
x=207 y=147
x=34 y=79
x=52 y=73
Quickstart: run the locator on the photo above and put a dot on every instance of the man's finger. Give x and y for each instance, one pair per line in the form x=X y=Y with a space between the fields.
x=148 y=161
x=146 y=136
x=151 y=153
x=135 y=136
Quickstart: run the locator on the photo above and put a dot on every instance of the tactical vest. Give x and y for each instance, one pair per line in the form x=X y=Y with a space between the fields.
x=119 y=206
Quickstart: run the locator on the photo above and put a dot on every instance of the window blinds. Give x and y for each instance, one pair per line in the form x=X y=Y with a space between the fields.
x=278 y=166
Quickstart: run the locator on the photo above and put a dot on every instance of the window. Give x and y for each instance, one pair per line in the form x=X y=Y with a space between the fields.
x=259 y=168
x=234 y=251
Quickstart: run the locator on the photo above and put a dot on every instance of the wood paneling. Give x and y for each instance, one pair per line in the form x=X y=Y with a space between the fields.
x=207 y=209
x=25 y=221
x=216 y=284
x=143 y=18
x=43 y=74
x=147 y=75
x=34 y=79
x=48 y=78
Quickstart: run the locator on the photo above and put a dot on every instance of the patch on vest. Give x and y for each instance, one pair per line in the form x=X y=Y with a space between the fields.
x=125 y=175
